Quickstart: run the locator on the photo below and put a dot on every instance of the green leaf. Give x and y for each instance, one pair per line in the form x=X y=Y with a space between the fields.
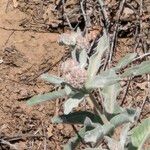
x=83 y=59
x=98 y=133
x=141 y=133
x=95 y=59
x=141 y=69
x=125 y=60
x=101 y=130
x=73 y=102
x=110 y=94
x=129 y=115
x=74 y=54
x=106 y=78
x=68 y=90
x=113 y=144
x=44 y=97
x=52 y=79
x=124 y=134
x=76 y=118
x=73 y=142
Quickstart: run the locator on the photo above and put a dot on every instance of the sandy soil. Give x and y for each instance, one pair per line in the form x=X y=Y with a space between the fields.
x=26 y=53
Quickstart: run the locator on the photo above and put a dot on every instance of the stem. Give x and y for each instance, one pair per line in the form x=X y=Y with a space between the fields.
x=98 y=109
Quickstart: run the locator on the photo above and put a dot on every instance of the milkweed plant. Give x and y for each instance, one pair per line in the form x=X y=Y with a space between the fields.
x=80 y=76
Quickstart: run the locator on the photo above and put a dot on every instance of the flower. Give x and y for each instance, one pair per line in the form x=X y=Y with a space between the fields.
x=74 y=39
x=73 y=73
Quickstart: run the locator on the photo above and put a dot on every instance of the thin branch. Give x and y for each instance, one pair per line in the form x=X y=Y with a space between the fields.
x=142 y=56
x=25 y=30
x=9 y=37
x=126 y=91
x=11 y=146
x=104 y=14
x=114 y=40
x=21 y=137
x=142 y=107
x=86 y=19
x=98 y=110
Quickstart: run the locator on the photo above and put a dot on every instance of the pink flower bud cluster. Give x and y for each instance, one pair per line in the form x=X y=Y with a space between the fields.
x=73 y=73
x=74 y=39
x=77 y=39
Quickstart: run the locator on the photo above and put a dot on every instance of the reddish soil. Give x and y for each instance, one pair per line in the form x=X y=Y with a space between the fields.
x=26 y=54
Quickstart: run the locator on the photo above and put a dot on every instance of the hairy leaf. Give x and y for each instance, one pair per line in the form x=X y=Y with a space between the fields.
x=98 y=133
x=44 y=97
x=125 y=60
x=110 y=94
x=141 y=133
x=113 y=144
x=106 y=78
x=73 y=142
x=76 y=118
x=73 y=102
x=95 y=59
x=52 y=79
x=83 y=59
x=124 y=134
x=141 y=69
x=129 y=115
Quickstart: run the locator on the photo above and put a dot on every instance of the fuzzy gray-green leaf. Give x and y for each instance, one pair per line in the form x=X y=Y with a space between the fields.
x=141 y=133
x=98 y=133
x=95 y=59
x=129 y=115
x=113 y=144
x=83 y=59
x=76 y=118
x=44 y=97
x=110 y=94
x=125 y=60
x=141 y=69
x=73 y=102
x=52 y=79
x=106 y=78
x=73 y=142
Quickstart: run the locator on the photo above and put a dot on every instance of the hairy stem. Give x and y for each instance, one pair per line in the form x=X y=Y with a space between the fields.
x=98 y=109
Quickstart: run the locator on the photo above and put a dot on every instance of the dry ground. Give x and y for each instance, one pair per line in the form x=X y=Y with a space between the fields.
x=26 y=54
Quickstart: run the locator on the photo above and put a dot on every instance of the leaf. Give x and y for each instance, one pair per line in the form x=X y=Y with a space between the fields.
x=44 y=97
x=129 y=115
x=98 y=133
x=83 y=59
x=106 y=78
x=76 y=118
x=141 y=69
x=73 y=102
x=102 y=130
x=73 y=54
x=95 y=59
x=113 y=144
x=118 y=109
x=141 y=133
x=68 y=89
x=125 y=60
x=73 y=142
x=89 y=123
x=52 y=79
x=110 y=94
x=124 y=134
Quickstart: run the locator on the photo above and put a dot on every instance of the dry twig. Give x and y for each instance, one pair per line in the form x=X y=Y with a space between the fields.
x=114 y=39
